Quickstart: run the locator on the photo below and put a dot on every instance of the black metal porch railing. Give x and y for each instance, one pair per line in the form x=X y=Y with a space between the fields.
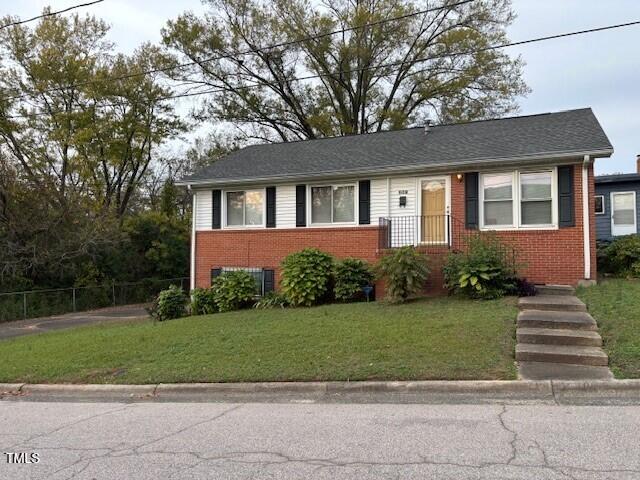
x=416 y=230
x=438 y=232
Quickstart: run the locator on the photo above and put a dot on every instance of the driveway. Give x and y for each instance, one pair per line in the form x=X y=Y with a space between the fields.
x=70 y=320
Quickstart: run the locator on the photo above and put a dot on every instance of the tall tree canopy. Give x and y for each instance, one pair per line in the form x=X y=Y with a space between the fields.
x=76 y=146
x=383 y=76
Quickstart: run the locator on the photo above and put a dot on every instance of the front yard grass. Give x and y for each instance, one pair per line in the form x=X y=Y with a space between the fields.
x=615 y=304
x=439 y=338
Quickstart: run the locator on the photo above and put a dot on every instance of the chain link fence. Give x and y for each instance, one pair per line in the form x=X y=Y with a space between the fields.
x=44 y=303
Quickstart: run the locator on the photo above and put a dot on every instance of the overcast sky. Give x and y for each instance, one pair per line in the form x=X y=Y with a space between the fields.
x=600 y=70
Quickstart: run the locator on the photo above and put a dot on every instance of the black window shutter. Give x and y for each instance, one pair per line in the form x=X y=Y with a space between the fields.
x=268 y=280
x=216 y=209
x=271 y=207
x=215 y=272
x=566 y=217
x=301 y=205
x=471 y=200
x=364 y=200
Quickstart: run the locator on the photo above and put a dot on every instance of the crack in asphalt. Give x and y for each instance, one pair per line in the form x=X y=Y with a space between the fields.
x=517 y=448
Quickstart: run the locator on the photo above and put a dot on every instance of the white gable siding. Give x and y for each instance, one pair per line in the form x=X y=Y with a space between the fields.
x=203 y=209
x=286 y=206
x=379 y=200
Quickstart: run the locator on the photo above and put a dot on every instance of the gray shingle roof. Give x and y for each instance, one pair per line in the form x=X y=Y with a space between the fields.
x=534 y=136
x=618 y=178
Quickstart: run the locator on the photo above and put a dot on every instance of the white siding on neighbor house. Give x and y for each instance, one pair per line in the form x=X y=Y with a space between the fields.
x=203 y=209
x=379 y=200
x=285 y=206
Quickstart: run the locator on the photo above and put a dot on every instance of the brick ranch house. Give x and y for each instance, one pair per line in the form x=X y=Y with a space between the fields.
x=529 y=179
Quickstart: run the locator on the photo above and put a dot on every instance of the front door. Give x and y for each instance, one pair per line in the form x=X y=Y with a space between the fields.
x=433 y=221
x=623 y=213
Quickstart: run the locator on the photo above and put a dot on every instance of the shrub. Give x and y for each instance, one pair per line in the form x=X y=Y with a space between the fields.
x=405 y=271
x=170 y=303
x=485 y=270
x=272 y=300
x=306 y=277
x=350 y=275
x=621 y=257
x=523 y=288
x=233 y=290
x=203 y=301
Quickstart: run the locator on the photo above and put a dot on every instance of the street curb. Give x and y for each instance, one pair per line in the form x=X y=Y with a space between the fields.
x=89 y=392
x=10 y=388
x=466 y=391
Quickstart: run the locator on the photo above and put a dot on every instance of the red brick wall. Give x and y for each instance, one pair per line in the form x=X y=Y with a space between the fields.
x=266 y=248
x=547 y=256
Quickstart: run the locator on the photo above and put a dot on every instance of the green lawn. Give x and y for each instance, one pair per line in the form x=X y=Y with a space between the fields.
x=442 y=338
x=615 y=304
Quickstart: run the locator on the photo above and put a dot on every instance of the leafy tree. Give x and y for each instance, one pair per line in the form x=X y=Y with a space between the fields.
x=75 y=151
x=373 y=78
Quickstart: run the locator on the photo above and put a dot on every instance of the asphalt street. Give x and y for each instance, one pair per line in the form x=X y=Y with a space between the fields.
x=318 y=441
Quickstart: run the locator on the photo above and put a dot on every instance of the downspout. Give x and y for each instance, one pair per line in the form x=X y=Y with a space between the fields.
x=193 y=239
x=586 y=218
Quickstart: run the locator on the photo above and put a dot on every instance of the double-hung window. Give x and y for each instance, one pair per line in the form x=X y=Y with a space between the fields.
x=518 y=199
x=333 y=204
x=245 y=208
x=536 y=198
x=497 y=192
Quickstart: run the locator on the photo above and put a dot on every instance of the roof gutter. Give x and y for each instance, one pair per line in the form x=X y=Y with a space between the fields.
x=466 y=165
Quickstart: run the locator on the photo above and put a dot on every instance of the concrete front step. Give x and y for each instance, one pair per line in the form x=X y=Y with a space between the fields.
x=577 y=355
x=555 y=290
x=562 y=371
x=563 y=320
x=559 y=336
x=556 y=303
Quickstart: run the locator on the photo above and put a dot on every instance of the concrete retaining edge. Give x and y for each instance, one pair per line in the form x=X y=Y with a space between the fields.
x=555 y=391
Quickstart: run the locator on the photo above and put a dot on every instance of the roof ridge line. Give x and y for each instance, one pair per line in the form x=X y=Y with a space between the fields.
x=497 y=119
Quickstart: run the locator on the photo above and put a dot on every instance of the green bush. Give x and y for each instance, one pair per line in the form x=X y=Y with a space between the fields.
x=272 y=300
x=621 y=257
x=306 y=277
x=350 y=275
x=405 y=271
x=171 y=303
x=486 y=270
x=233 y=290
x=203 y=301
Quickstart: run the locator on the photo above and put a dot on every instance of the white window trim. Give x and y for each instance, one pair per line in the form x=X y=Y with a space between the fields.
x=513 y=200
x=516 y=196
x=356 y=219
x=635 y=213
x=598 y=212
x=225 y=226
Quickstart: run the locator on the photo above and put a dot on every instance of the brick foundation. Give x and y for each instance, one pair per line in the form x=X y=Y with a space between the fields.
x=266 y=248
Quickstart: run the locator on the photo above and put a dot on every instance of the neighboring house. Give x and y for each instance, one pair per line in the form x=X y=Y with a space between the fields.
x=617 y=204
x=529 y=179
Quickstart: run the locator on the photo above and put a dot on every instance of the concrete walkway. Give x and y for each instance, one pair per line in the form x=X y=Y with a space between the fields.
x=558 y=339
x=70 y=320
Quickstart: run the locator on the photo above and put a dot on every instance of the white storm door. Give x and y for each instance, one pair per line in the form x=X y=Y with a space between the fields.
x=623 y=213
